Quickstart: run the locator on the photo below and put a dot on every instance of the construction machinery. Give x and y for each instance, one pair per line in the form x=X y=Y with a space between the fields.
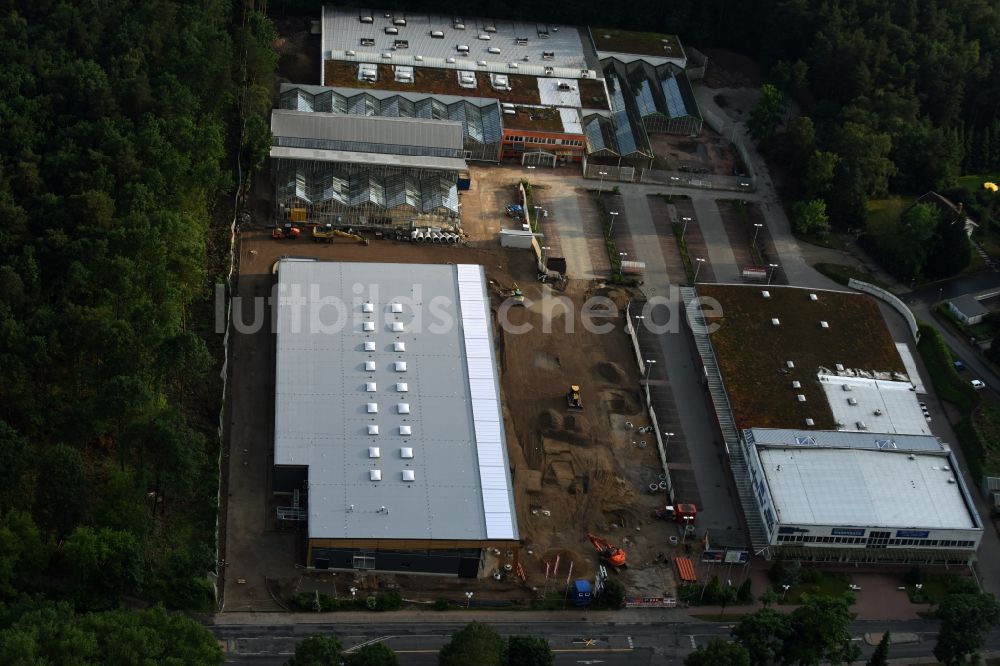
x=610 y=554
x=573 y=399
x=682 y=514
x=288 y=231
x=513 y=291
x=327 y=234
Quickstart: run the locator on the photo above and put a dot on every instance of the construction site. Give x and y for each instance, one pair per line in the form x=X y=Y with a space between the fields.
x=587 y=479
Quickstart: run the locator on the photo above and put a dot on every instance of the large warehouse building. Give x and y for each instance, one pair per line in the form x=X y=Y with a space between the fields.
x=387 y=416
x=861 y=497
x=832 y=453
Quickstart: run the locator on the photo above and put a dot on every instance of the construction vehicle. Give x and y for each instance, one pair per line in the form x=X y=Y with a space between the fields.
x=286 y=232
x=513 y=291
x=610 y=554
x=682 y=514
x=327 y=234
x=573 y=399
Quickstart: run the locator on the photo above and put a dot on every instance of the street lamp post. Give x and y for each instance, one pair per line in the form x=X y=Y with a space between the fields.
x=698 y=262
x=783 y=594
x=621 y=258
x=770 y=273
x=611 y=227
x=757 y=226
x=685 y=228
x=468 y=597
x=666 y=442
x=649 y=363
x=602 y=174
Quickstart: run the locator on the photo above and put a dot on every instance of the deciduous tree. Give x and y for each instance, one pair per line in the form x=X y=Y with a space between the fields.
x=719 y=652
x=474 y=644
x=965 y=620
x=528 y=651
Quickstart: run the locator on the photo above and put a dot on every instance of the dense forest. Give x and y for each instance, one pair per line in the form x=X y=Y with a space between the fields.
x=120 y=127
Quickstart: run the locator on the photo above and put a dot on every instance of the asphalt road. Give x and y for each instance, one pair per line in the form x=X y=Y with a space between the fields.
x=604 y=643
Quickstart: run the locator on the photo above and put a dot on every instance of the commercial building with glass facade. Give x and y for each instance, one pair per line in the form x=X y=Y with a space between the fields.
x=365 y=171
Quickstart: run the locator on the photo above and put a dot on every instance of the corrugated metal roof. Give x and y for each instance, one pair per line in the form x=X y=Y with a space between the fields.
x=455 y=447
x=415 y=132
x=343 y=32
x=350 y=157
x=498 y=500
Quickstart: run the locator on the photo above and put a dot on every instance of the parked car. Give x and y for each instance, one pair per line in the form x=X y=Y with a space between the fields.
x=959 y=365
x=978 y=384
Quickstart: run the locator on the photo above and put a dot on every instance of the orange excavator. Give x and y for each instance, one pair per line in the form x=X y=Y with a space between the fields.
x=610 y=553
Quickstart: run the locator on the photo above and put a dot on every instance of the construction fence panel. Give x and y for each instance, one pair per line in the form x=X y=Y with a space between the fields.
x=702 y=181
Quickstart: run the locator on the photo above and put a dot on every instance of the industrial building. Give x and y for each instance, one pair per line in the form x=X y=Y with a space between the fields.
x=388 y=419
x=479 y=116
x=861 y=497
x=831 y=450
x=365 y=171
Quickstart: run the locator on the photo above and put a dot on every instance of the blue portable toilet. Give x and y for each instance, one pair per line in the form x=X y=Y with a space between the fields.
x=582 y=592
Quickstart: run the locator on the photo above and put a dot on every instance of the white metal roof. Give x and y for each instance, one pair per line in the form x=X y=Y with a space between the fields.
x=865 y=488
x=571 y=121
x=343 y=32
x=351 y=157
x=455 y=444
x=383 y=130
x=883 y=406
x=550 y=94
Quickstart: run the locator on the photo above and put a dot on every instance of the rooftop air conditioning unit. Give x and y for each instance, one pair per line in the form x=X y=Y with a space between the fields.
x=437 y=34
x=366 y=18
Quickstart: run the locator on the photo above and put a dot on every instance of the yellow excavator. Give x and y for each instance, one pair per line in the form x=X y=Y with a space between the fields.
x=327 y=234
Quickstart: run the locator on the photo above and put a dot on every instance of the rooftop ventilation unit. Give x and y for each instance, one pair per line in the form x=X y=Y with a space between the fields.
x=367 y=41
x=405 y=452
x=400 y=366
x=398 y=346
x=366 y=18
x=397 y=327
x=409 y=475
x=824 y=324
x=396 y=307
x=437 y=34
x=370 y=387
x=861 y=425
x=399 y=21
x=813 y=297
x=373 y=408
x=368 y=306
x=459 y=24
x=494 y=50
x=369 y=346
x=796 y=384
x=512 y=65
x=775 y=321
x=391 y=31
x=852 y=401
x=403 y=408
x=369 y=366
x=548 y=55
x=765 y=294
x=375 y=474
x=373 y=452
x=790 y=364
x=372 y=429
x=839 y=367
x=418 y=58
x=810 y=422
x=462 y=48
x=489 y=27
x=349 y=53
x=951 y=479
x=405 y=430
x=800 y=397
x=402 y=387
x=450 y=61
x=847 y=387
x=368 y=326
x=521 y=41
x=387 y=55
x=483 y=36
x=481 y=63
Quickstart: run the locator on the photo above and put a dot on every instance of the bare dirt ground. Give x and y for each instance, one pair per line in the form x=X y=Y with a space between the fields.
x=483 y=204
x=708 y=150
x=728 y=69
x=298 y=50
x=738 y=228
x=574 y=472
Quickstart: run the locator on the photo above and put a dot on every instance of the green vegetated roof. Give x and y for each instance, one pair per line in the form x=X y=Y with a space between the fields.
x=752 y=352
x=638 y=43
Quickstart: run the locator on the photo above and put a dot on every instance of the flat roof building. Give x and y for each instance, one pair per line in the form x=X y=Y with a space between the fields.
x=387 y=416
x=857 y=497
